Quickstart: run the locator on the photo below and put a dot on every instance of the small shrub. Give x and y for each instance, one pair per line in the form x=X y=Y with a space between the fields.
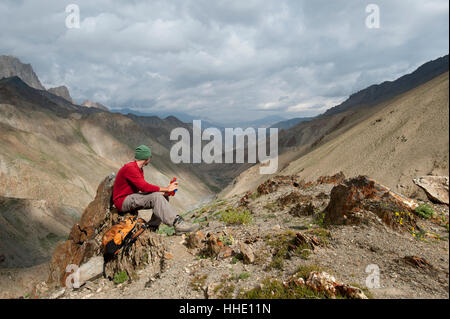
x=322 y=233
x=244 y=275
x=320 y=219
x=285 y=246
x=305 y=251
x=198 y=282
x=261 y=257
x=120 y=277
x=236 y=259
x=254 y=195
x=199 y=220
x=166 y=230
x=226 y=239
x=418 y=234
x=275 y=289
x=273 y=206
x=226 y=292
x=424 y=211
x=235 y=216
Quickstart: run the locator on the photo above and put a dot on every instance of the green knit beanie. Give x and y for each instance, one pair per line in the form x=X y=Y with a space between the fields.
x=142 y=153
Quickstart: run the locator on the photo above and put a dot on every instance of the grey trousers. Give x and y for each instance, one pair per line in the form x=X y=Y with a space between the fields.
x=162 y=210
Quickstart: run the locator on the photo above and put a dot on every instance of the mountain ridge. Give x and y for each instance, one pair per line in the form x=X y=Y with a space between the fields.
x=12 y=66
x=61 y=91
x=378 y=93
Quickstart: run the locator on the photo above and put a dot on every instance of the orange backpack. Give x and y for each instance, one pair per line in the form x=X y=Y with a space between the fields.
x=122 y=234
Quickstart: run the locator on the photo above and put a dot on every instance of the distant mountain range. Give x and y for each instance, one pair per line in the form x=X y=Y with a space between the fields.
x=375 y=94
x=186 y=118
x=206 y=122
x=287 y=124
x=11 y=66
x=264 y=122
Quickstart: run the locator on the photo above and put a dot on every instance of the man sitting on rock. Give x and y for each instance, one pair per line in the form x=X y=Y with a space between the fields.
x=131 y=192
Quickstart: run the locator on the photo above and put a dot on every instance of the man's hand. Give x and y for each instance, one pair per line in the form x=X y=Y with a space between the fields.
x=169 y=189
x=172 y=186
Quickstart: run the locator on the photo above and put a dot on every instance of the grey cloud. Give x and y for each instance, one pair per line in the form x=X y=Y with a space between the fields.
x=222 y=59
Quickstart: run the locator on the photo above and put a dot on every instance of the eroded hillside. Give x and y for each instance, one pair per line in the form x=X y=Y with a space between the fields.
x=58 y=152
x=394 y=142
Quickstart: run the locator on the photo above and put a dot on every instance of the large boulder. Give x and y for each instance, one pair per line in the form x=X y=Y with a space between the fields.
x=436 y=187
x=364 y=200
x=85 y=241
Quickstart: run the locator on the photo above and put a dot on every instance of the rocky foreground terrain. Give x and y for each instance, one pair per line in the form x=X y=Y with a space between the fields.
x=288 y=239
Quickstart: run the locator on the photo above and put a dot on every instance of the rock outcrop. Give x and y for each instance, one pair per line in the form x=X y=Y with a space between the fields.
x=361 y=200
x=85 y=238
x=335 y=179
x=302 y=210
x=12 y=66
x=324 y=282
x=212 y=245
x=436 y=187
x=272 y=184
x=247 y=253
x=61 y=91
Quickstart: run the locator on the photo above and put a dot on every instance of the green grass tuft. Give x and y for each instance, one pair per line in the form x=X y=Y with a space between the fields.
x=425 y=211
x=320 y=219
x=166 y=230
x=120 y=277
x=285 y=246
x=236 y=217
x=275 y=289
x=244 y=275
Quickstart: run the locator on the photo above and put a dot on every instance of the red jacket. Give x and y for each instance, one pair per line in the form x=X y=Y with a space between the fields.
x=130 y=180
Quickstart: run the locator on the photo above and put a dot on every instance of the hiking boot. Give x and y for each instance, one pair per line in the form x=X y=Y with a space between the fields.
x=153 y=228
x=181 y=226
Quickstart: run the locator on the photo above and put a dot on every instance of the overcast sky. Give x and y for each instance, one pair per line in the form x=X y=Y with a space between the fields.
x=225 y=60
